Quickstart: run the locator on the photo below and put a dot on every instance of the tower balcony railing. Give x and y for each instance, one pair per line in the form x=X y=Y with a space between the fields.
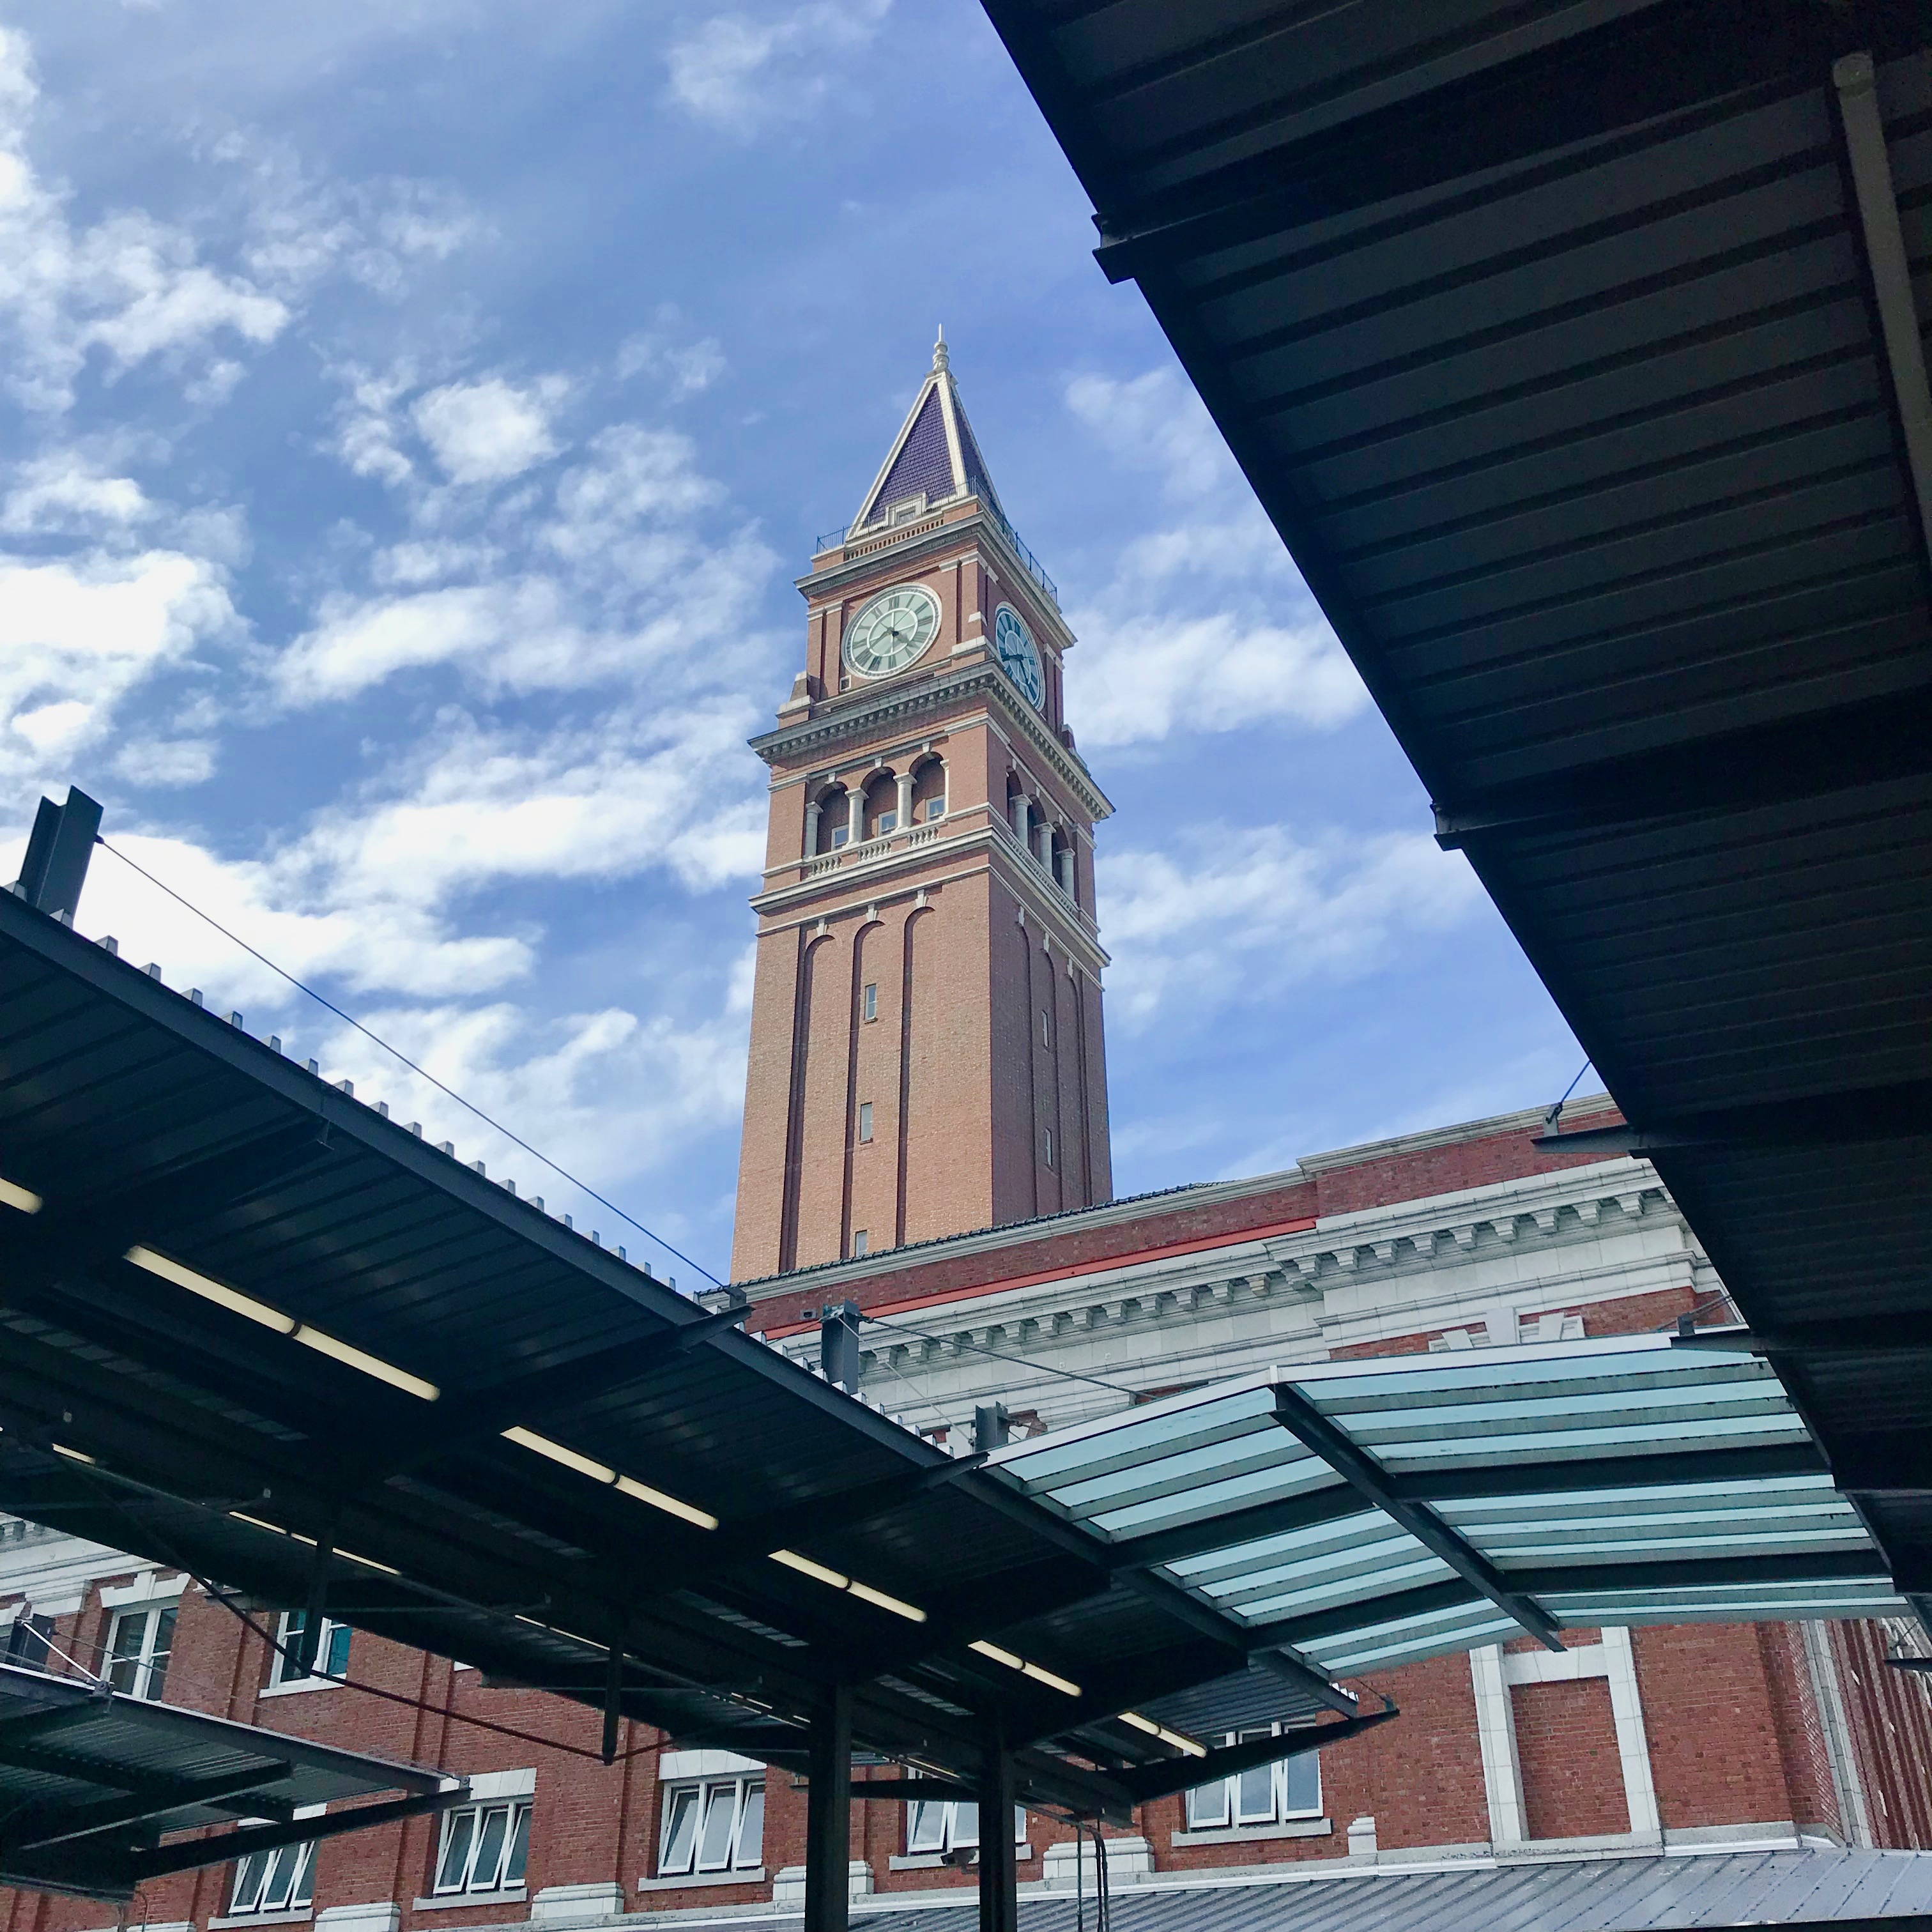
x=883 y=526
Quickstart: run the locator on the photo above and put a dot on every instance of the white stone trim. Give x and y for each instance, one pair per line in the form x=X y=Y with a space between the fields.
x=1496 y=1737
x=574 y=1904
x=486 y=1785
x=676 y=1766
x=146 y=1588
x=1848 y=1786
x=1239 y=1835
x=1632 y=1746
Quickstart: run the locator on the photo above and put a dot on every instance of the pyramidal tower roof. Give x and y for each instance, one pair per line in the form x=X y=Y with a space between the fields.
x=933 y=456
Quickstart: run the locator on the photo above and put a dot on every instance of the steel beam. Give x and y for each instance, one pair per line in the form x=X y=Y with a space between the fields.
x=828 y=1823
x=1313 y=1430
x=999 y=1869
x=1146 y=1783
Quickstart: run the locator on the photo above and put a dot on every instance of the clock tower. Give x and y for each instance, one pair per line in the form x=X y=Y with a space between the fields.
x=927 y=1053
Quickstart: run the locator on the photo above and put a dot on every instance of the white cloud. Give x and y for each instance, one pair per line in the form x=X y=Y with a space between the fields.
x=60 y=493
x=1227 y=915
x=741 y=71
x=487 y=432
x=166 y=764
x=77 y=635
x=686 y=366
x=1202 y=625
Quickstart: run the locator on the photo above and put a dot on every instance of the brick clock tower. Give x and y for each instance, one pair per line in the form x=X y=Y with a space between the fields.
x=927 y=1055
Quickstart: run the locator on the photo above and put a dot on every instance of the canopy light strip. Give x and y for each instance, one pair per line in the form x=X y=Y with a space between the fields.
x=14 y=1196
x=296 y=1536
x=1038 y=1672
x=805 y=1566
x=602 y=1472
x=324 y=1343
x=72 y=1455
x=1189 y=1746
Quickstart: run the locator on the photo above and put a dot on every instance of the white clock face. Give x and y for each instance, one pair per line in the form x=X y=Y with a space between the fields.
x=892 y=631
x=1019 y=654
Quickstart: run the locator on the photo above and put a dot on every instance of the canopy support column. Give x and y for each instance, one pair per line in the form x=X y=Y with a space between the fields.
x=828 y=1814
x=999 y=1868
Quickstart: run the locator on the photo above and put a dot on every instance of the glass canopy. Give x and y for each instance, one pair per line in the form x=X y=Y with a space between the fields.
x=1368 y=1513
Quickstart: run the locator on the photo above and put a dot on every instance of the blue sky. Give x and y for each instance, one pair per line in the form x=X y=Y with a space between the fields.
x=412 y=416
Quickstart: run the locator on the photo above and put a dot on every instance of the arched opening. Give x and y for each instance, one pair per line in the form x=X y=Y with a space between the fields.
x=835 y=813
x=929 y=790
x=882 y=803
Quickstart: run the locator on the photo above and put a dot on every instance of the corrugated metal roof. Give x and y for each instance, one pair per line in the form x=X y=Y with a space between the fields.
x=1548 y=337
x=90 y=1779
x=271 y=1321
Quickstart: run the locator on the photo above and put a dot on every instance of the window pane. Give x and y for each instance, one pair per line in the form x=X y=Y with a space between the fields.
x=720 y=1811
x=282 y=1864
x=162 y=1649
x=335 y=1643
x=123 y=1660
x=283 y=1669
x=1254 y=1795
x=303 y=1892
x=459 y=1833
x=751 y=1827
x=490 y=1844
x=248 y=1876
x=1304 y=1783
x=965 y=1823
x=680 y=1831
x=1019 y=1824
x=1207 y=1806
x=518 y=1861
x=926 y=1827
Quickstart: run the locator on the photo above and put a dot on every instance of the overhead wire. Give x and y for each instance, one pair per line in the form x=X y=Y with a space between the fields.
x=977 y=1348
x=350 y=1019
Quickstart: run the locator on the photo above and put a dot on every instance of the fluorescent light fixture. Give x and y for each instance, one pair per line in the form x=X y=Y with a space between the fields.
x=369 y=1563
x=370 y=1365
x=14 y=1196
x=584 y=1466
x=629 y=1486
x=1038 y=1672
x=1189 y=1745
x=255 y=1522
x=867 y=1594
x=72 y=1455
x=211 y=1290
x=805 y=1567
x=864 y=1592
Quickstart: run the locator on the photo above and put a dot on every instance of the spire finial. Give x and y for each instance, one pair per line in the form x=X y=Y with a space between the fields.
x=940 y=360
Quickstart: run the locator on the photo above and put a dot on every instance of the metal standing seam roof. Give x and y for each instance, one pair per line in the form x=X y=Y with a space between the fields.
x=251 y=1328
x=1570 y=350
x=1794 y=1889
x=1371 y=1514
x=91 y=1780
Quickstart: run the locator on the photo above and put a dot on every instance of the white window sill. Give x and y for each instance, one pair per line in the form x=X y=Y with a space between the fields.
x=452 y=1901
x=297 y=1686
x=302 y=1915
x=932 y=1861
x=748 y=1875
x=1242 y=1835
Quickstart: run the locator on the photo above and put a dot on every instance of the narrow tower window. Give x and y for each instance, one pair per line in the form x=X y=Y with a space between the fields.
x=1046 y=1028
x=868 y=1003
x=1049 y=1147
x=865 y=1120
x=862 y=1242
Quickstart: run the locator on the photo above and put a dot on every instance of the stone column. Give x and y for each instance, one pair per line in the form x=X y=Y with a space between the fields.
x=1020 y=804
x=905 y=800
x=1063 y=864
x=1042 y=845
x=811 y=828
x=855 y=821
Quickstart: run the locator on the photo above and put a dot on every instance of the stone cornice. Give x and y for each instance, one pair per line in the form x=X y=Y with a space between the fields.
x=942 y=691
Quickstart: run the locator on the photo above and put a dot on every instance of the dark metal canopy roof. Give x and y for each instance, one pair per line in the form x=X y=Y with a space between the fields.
x=1576 y=353
x=251 y=1328
x=90 y=1781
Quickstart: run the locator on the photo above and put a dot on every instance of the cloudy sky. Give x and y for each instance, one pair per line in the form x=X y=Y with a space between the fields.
x=412 y=415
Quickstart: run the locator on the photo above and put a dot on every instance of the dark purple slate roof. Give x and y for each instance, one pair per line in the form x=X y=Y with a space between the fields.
x=977 y=481
x=925 y=463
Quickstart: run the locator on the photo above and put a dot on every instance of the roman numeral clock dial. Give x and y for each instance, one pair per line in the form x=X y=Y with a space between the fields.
x=1018 y=655
x=892 y=631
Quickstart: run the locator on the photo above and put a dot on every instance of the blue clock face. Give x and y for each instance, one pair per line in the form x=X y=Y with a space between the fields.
x=1019 y=656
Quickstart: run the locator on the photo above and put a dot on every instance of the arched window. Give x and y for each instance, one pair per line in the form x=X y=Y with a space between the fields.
x=929 y=790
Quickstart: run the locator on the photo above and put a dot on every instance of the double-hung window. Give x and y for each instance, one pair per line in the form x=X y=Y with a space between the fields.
x=27 y=1641
x=716 y=1824
x=139 y=1645
x=1266 y=1794
x=484 y=1848
x=331 y=1653
x=951 y=1825
x=281 y=1880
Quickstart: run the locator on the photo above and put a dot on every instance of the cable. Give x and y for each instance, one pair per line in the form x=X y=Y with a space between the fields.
x=1045 y=1368
x=1550 y=1119
x=350 y=1019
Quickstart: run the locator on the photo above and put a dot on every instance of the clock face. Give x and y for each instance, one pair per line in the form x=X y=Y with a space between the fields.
x=1019 y=656
x=892 y=631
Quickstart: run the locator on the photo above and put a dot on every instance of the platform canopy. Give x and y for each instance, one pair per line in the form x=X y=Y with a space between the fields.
x=253 y=1329
x=1577 y=353
x=90 y=1783
x=1370 y=1514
